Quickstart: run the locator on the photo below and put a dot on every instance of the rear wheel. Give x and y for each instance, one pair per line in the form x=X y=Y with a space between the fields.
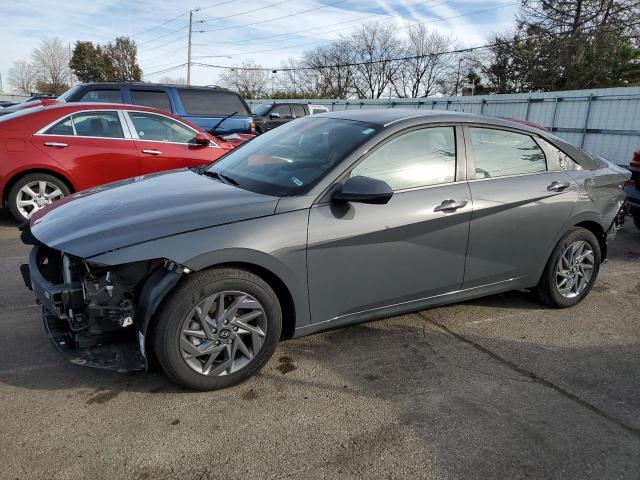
x=217 y=329
x=572 y=269
x=33 y=192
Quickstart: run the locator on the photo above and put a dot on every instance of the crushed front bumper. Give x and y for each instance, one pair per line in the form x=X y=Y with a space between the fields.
x=117 y=350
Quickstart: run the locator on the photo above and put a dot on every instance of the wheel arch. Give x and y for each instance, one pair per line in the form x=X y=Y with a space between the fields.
x=599 y=232
x=22 y=173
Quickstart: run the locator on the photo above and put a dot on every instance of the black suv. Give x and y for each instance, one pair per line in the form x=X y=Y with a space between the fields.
x=268 y=116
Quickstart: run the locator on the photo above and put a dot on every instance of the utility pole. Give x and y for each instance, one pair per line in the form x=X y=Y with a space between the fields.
x=189 y=48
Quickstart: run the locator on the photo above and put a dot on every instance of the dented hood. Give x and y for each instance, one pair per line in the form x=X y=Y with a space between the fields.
x=141 y=209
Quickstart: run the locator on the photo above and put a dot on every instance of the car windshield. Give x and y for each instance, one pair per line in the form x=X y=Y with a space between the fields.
x=68 y=93
x=261 y=108
x=292 y=158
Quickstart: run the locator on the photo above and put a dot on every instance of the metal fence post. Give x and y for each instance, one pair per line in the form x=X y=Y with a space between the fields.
x=586 y=121
x=482 y=104
x=526 y=115
x=555 y=111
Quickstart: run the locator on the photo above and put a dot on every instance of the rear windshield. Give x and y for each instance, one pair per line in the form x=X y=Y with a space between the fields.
x=212 y=102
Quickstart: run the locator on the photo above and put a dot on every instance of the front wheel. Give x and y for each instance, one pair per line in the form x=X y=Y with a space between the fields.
x=33 y=192
x=217 y=328
x=571 y=270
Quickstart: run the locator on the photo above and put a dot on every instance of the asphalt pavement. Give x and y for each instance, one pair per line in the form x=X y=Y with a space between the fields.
x=500 y=387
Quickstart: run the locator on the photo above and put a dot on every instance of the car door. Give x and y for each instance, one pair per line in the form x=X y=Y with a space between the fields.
x=521 y=202
x=282 y=115
x=164 y=143
x=95 y=147
x=363 y=257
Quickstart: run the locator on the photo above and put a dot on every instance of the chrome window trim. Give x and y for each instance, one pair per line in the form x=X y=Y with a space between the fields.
x=512 y=176
x=134 y=132
x=40 y=133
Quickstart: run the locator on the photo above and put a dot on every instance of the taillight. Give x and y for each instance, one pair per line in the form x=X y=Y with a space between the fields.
x=253 y=127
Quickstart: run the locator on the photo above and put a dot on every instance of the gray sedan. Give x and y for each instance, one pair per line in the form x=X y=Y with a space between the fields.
x=326 y=221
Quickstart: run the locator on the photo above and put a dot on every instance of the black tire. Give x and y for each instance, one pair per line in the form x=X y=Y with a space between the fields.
x=166 y=332
x=636 y=220
x=27 y=179
x=547 y=289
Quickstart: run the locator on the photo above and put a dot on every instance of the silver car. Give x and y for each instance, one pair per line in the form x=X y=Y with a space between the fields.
x=329 y=220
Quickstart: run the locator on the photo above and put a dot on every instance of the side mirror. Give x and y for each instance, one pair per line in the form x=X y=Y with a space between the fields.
x=202 y=140
x=274 y=115
x=363 y=190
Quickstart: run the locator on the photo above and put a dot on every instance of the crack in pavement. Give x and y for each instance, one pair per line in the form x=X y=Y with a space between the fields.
x=533 y=377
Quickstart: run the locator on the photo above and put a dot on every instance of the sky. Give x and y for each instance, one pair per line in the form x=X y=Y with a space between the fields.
x=229 y=32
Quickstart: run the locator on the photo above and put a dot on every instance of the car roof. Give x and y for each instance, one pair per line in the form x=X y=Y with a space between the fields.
x=388 y=116
x=151 y=85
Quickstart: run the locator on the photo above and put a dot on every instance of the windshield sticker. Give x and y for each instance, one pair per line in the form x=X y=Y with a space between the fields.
x=367 y=131
x=297 y=181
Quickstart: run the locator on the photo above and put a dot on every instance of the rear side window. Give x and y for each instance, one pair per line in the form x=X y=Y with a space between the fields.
x=418 y=158
x=211 y=102
x=103 y=96
x=149 y=98
x=299 y=111
x=98 y=124
x=500 y=153
x=64 y=127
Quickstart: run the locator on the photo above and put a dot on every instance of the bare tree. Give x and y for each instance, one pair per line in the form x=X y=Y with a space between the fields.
x=249 y=80
x=427 y=64
x=375 y=46
x=297 y=80
x=23 y=77
x=51 y=62
x=332 y=64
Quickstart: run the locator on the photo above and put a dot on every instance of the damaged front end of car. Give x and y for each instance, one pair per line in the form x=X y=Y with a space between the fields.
x=97 y=315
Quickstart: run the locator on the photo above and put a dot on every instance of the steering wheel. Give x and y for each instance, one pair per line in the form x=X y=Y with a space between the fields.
x=484 y=173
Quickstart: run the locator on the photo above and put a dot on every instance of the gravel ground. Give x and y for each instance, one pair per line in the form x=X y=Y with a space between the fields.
x=494 y=388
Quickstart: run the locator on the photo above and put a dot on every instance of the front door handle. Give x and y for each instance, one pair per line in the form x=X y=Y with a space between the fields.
x=56 y=144
x=557 y=186
x=152 y=152
x=449 y=206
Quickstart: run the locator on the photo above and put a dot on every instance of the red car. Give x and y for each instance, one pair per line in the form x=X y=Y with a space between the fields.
x=49 y=152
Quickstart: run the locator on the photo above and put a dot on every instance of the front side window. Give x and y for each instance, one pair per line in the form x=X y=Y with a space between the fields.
x=290 y=159
x=283 y=110
x=158 y=128
x=98 y=124
x=103 y=96
x=150 y=98
x=415 y=159
x=500 y=153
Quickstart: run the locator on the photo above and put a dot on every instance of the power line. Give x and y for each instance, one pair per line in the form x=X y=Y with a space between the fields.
x=212 y=6
x=419 y=6
x=418 y=23
x=272 y=19
x=164 y=35
x=166 y=70
x=159 y=25
x=242 y=13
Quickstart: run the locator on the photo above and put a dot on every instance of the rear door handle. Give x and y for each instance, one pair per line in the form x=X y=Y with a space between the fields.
x=449 y=206
x=152 y=152
x=557 y=186
x=56 y=144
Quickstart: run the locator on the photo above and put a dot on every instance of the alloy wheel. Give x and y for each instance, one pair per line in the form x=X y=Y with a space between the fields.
x=575 y=269
x=223 y=333
x=36 y=195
